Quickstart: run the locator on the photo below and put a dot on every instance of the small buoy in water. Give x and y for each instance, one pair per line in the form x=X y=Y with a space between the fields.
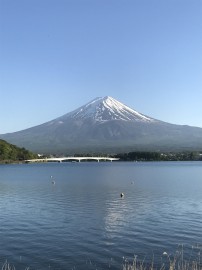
x=122 y=195
x=53 y=182
x=51 y=176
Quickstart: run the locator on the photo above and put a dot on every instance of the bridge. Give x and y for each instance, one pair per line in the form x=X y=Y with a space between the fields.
x=73 y=159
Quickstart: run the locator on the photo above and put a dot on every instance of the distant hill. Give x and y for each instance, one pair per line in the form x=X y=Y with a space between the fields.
x=105 y=125
x=9 y=152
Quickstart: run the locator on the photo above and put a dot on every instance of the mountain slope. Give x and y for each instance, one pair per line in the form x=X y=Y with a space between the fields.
x=106 y=125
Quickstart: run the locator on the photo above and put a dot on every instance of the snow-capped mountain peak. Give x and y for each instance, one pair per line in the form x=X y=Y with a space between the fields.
x=106 y=109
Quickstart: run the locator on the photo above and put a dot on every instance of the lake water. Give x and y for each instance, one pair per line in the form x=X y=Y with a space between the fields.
x=81 y=222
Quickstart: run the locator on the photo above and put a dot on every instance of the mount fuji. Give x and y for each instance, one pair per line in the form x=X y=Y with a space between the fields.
x=105 y=125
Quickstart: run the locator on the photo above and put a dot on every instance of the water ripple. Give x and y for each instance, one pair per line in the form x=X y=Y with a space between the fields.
x=82 y=221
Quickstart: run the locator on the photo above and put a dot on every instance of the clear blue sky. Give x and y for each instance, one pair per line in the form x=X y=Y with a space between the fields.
x=56 y=55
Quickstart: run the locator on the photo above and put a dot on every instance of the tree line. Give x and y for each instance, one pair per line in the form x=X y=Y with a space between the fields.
x=157 y=156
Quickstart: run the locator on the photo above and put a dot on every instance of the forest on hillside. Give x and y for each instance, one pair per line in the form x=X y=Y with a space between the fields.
x=10 y=152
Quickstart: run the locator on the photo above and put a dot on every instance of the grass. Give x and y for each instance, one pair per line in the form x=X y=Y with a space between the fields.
x=7 y=266
x=177 y=261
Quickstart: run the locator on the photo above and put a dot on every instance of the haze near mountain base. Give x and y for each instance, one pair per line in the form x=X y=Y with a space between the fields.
x=106 y=125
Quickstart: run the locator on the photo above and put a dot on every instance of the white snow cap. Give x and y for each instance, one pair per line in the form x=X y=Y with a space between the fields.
x=108 y=108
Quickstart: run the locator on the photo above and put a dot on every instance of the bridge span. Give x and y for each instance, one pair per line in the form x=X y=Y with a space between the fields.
x=76 y=159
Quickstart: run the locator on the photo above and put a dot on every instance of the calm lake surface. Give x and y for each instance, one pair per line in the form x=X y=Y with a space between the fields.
x=81 y=222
